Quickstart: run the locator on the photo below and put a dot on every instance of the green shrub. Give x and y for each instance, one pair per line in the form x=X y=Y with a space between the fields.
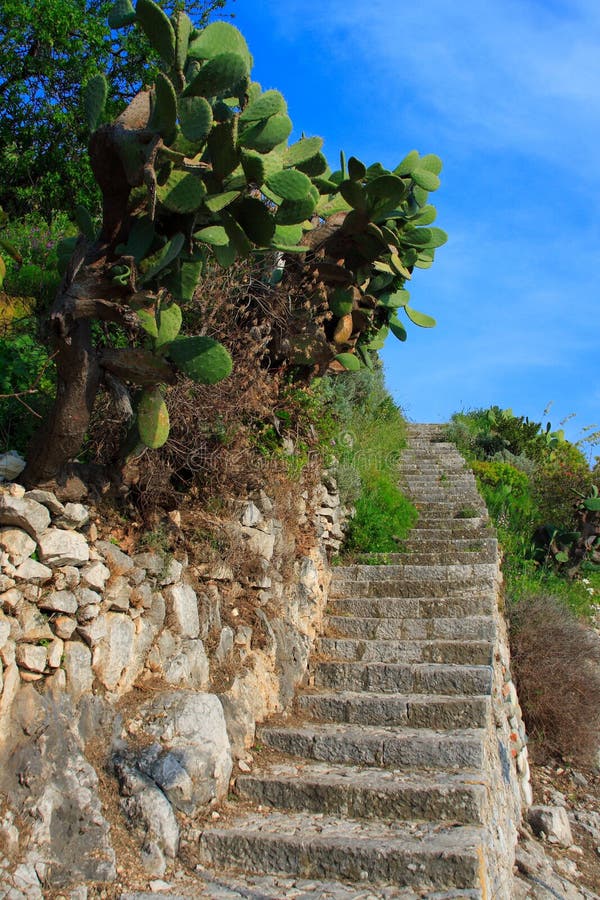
x=383 y=516
x=24 y=366
x=559 y=480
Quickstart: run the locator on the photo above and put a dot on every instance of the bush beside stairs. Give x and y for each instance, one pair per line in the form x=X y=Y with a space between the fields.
x=385 y=781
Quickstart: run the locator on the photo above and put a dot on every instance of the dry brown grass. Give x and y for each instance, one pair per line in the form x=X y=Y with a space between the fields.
x=556 y=665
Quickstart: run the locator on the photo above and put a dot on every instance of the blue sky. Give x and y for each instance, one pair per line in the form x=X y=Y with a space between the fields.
x=508 y=94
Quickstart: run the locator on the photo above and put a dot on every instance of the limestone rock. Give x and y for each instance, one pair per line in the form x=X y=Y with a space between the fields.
x=191 y=761
x=95 y=575
x=32 y=657
x=64 y=627
x=17 y=543
x=59 y=601
x=78 y=669
x=46 y=498
x=11 y=465
x=20 y=512
x=146 y=807
x=63 y=548
x=182 y=610
x=74 y=515
x=188 y=665
x=117 y=593
x=117 y=561
x=251 y=515
x=33 y=571
x=33 y=623
x=113 y=652
x=552 y=822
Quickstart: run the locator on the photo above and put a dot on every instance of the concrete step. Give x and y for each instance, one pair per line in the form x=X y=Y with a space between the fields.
x=471 y=628
x=368 y=794
x=412 y=678
x=476 y=653
x=448 y=604
x=414 y=710
x=426 y=856
x=378 y=745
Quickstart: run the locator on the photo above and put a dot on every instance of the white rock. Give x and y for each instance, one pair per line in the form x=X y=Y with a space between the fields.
x=182 y=610
x=32 y=657
x=32 y=570
x=188 y=666
x=64 y=627
x=11 y=465
x=59 y=601
x=20 y=512
x=95 y=575
x=46 y=498
x=74 y=515
x=17 y=543
x=55 y=653
x=112 y=653
x=34 y=625
x=78 y=669
x=63 y=548
x=251 y=515
x=551 y=821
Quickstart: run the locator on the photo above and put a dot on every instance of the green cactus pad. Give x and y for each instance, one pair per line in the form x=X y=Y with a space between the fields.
x=217 y=38
x=438 y=238
x=425 y=179
x=419 y=318
x=140 y=239
x=182 y=192
x=289 y=235
x=324 y=185
x=292 y=212
x=354 y=194
x=256 y=220
x=202 y=359
x=356 y=170
x=425 y=259
x=215 y=235
x=398 y=266
x=153 y=418
x=425 y=217
x=254 y=167
x=164 y=109
x=236 y=234
x=431 y=162
x=218 y=202
x=303 y=150
x=121 y=14
x=84 y=222
x=158 y=29
x=397 y=328
x=349 y=361
x=385 y=192
x=224 y=154
x=340 y=302
x=420 y=195
x=268 y=104
x=395 y=300
x=289 y=184
x=148 y=322
x=265 y=136
x=195 y=118
x=169 y=324
x=378 y=339
x=94 y=99
x=183 y=30
x=410 y=161
x=314 y=166
x=169 y=252
x=218 y=75
x=416 y=237
x=184 y=281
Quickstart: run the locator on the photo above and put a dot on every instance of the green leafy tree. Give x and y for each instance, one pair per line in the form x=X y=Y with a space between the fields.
x=49 y=49
x=197 y=170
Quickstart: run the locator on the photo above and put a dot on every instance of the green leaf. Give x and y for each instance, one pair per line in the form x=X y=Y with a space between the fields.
x=183 y=30
x=349 y=361
x=395 y=300
x=397 y=328
x=288 y=234
x=354 y=194
x=158 y=29
x=170 y=251
x=164 y=109
x=169 y=324
x=148 y=322
x=153 y=418
x=561 y=556
x=218 y=75
x=84 y=221
x=184 y=280
x=302 y=151
x=377 y=342
x=256 y=220
x=419 y=318
x=425 y=179
x=202 y=359
x=225 y=255
x=183 y=192
x=410 y=162
x=292 y=212
x=94 y=100
x=140 y=239
x=592 y=503
x=431 y=162
x=217 y=38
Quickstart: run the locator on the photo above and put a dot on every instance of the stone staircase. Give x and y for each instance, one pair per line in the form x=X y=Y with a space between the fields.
x=386 y=781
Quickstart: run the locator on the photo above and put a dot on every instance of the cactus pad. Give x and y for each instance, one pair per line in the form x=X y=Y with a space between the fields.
x=425 y=178
x=303 y=150
x=397 y=328
x=158 y=29
x=94 y=99
x=202 y=359
x=217 y=38
x=215 y=235
x=292 y=212
x=218 y=75
x=410 y=161
x=268 y=104
x=419 y=318
x=349 y=361
x=289 y=184
x=195 y=118
x=265 y=136
x=153 y=419
x=169 y=324
x=256 y=220
x=121 y=14
x=164 y=109
x=182 y=192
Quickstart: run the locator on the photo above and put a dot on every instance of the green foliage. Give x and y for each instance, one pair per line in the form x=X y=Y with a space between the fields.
x=383 y=517
x=27 y=377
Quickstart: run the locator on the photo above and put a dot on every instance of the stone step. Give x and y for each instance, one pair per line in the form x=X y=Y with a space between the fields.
x=368 y=793
x=426 y=856
x=447 y=605
x=372 y=574
x=457 y=529
x=471 y=628
x=413 y=678
x=418 y=555
x=416 y=586
x=377 y=745
x=414 y=710
x=476 y=653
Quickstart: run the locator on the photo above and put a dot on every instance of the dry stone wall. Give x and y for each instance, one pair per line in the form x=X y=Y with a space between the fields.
x=147 y=657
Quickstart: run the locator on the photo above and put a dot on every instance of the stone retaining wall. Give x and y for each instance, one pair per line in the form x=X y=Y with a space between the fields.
x=148 y=657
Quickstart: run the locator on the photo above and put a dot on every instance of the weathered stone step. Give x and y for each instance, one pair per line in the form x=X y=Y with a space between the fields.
x=413 y=678
x=367 y=793
x=312 y=846
x=457 y=529
x=377 y=745
x=374 y=574
x=416 y=586
x=471 y=628
x=414 y=710
x=476 y=653
x=447 y=605
x=440 y=557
